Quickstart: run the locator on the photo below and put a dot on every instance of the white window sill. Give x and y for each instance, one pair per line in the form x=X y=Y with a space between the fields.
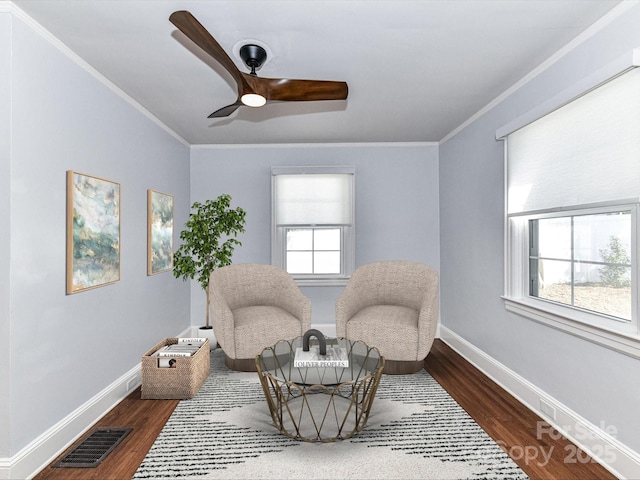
x=621 y=342
x=321 y=282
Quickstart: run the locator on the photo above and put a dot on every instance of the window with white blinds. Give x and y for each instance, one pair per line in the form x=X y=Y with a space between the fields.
x=572 y=189
x=587 y=151
x=313 y=234
x=314 y=198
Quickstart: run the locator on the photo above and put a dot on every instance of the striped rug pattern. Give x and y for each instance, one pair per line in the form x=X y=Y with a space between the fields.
x=415 y=431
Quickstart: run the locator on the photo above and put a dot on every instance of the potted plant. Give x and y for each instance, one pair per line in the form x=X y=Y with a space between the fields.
x=208 y=241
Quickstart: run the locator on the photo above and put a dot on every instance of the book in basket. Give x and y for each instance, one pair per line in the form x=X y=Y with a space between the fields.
x=335 y=357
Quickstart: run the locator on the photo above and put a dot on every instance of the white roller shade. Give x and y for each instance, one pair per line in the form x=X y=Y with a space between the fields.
x=314 y=199
x=587 y=151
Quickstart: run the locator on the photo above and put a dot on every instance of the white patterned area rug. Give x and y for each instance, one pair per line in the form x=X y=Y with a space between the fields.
x=415 y=431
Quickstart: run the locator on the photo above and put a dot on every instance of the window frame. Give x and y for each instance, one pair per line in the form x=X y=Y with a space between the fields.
x=519 y=300
x=347 y=241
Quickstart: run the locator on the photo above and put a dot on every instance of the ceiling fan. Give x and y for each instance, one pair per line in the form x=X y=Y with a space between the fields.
x=255 y=91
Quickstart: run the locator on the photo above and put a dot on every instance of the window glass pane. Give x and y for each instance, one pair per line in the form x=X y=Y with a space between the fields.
x=327 y=239
x=314 y=251
x=327 y=262
x=553 y=281
x=299 y=239
x=603 y=237
x=554 y=237
x=299 y=262
x=596 y=274
x=599 y=296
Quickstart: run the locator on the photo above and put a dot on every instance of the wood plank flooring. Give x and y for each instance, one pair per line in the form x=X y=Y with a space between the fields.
x=537 y=448
x=513 y=426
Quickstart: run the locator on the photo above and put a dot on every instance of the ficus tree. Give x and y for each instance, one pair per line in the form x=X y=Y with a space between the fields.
x=208 y=241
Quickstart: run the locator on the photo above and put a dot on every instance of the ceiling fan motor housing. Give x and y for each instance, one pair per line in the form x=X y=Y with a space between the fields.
x=253 y=56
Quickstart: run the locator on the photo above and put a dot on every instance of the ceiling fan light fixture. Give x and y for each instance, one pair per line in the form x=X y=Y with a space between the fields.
x=253 y=100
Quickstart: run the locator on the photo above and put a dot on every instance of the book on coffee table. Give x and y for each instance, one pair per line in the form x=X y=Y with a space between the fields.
x=335 y=357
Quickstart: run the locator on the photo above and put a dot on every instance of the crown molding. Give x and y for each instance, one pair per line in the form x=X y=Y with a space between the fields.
x=605 y=20
x=314 y=145
x=55 y=42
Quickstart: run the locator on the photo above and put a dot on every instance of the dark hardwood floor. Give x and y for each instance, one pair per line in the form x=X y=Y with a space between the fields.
x=537 y=448
x=513 y=426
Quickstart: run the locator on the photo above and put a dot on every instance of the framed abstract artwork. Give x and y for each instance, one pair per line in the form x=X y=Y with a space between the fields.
x=93 y=232
x=159 y=232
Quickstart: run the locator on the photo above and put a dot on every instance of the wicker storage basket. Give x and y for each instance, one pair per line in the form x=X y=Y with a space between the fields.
x=179 y=382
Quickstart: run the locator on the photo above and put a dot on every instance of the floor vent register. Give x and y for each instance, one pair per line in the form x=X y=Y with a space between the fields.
x=94 y=449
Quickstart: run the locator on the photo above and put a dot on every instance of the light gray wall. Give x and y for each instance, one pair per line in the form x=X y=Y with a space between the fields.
x=597 y=383
x=396 y=202
x=65 y=349
x=5 y=252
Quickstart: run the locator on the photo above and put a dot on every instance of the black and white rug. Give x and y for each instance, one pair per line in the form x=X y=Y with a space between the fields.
x=415 y=431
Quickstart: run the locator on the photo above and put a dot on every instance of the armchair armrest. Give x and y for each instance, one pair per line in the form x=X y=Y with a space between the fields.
x=221 y=319
x=298 y=305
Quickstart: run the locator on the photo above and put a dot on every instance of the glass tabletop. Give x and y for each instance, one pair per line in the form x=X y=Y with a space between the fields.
x=346 y=361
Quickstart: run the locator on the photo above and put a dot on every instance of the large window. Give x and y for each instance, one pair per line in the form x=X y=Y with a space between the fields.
x=577 y=264
x=572 y=193
x=583 y=261
x=313 y=216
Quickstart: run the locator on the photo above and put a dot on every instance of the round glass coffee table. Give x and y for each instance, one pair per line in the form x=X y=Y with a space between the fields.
x=322 y=403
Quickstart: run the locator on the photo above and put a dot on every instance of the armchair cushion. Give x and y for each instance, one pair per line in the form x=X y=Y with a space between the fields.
x=390 y=328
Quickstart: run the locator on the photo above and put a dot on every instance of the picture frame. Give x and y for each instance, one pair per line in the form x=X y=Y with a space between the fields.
x=159 y=232
x=93 y=232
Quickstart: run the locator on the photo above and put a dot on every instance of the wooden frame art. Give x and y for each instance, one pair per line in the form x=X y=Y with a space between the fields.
x=93 y=232
x=159 y=232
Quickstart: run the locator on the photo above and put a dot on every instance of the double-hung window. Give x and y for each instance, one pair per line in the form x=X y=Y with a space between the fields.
x=572 y=190
x=313 y=234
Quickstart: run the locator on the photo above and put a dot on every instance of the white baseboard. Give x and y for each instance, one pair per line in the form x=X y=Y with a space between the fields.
x=597 y=441
x=327 y=329
x=5 y=465
x=44 y=449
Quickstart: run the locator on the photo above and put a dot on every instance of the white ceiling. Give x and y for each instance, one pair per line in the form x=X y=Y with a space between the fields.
x=416 y=70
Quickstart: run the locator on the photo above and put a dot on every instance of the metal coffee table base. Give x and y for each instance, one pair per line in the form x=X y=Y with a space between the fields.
x=319 y=404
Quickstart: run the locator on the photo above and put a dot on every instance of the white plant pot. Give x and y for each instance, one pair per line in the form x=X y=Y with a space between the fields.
x=207 y=332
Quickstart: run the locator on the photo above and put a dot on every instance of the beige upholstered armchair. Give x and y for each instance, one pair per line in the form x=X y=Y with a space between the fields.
x=253 y=306
x=393 y=306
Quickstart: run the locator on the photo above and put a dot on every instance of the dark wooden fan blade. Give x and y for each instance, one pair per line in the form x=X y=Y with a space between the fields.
x=226 y=111
x=192 y=28
x=287 y=90
x=273 y=89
